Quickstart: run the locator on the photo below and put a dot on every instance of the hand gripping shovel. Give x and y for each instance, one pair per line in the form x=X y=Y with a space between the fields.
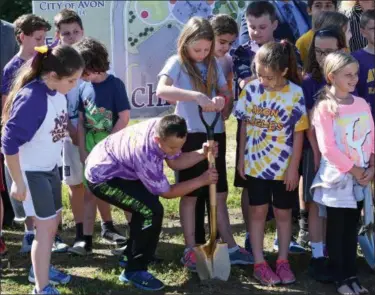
x=366 y=236
x=213 y=257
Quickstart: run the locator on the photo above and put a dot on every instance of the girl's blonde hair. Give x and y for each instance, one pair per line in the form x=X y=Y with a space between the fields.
x=198 y=28
x=333 y=64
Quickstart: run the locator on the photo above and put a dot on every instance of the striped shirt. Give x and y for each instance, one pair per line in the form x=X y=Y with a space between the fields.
x=357 y=41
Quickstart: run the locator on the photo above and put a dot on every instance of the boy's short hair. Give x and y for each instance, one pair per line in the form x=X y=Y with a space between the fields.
x=224 y=24
x=171 y=125
x=310 y=3
x=28 y=24
x=94 y=54
x=67 y=16
x=260 y=8
x=366 y=17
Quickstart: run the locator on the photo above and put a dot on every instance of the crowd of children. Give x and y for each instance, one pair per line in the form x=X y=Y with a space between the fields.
x=305 y=142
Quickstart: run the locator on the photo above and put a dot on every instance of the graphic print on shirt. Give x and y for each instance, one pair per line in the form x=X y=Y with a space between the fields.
x=356 y=138
x=98 y=118
x=371 y=79
x=272 y=118
x=59 y=131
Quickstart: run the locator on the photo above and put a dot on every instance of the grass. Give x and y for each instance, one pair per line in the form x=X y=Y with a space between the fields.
x=98 y=274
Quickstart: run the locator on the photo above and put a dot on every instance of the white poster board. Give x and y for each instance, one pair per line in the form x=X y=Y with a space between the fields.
x=140 y=36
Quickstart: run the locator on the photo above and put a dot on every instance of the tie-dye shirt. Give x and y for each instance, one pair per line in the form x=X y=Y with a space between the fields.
x=272 y=117
x=130 y=154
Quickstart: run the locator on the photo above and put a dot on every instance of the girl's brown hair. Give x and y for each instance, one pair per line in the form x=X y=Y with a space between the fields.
x=63 y=60
x=279 y=56
x=312 y=67
x=198 y=28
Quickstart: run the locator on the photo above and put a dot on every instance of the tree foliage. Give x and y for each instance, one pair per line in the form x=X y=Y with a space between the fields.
x=11 y=9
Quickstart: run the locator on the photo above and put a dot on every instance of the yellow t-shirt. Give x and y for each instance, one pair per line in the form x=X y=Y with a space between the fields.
x=272 y=118
x=303 y=44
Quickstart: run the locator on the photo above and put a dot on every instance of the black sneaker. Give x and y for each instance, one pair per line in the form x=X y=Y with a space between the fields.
x=113 y=237
x=318 y=269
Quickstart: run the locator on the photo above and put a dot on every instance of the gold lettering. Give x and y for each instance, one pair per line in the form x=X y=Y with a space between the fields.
x=370 y=75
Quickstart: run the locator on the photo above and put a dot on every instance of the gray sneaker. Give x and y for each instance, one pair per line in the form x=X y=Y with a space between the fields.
x=241 y=256
x=80 y=248
x=59 y=246
x=27 y=242
x=303 y=238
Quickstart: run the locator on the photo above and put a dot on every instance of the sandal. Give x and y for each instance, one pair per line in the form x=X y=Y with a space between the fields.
x=356 y=285
x=345 y=288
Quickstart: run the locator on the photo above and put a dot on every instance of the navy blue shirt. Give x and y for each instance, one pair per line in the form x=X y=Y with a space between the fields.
x=102 y=102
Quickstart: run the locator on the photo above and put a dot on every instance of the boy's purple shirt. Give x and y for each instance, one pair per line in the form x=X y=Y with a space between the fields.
x=130 y=154
x=366 y=82
x=10 y=73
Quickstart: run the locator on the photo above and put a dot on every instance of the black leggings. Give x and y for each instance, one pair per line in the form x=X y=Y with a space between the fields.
x=342 y=233
x=147 y=216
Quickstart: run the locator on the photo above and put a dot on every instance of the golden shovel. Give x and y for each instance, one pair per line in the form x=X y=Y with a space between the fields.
x=213 y=257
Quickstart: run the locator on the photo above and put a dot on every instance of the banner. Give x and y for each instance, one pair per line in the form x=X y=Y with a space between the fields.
x=139 y=36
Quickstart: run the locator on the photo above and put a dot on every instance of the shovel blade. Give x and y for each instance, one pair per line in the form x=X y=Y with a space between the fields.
x=213 y=261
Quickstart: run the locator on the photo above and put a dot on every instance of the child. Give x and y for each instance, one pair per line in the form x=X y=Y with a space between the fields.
x=191 y=77
x=262 y=22
x=366 y=60
x=226 y=32
x=273 y=115
x=30 y=31
x=337 y=19
x=345 y=132
x=354 y=10
x=325 y=41
x=314 y=8
x=126 y=170
x=34 y=125
x=103 y=109
x=69 y=30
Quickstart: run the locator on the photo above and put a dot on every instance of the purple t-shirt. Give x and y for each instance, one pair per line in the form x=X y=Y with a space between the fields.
x=130 y=154
x=366 y=82
x=9 y=73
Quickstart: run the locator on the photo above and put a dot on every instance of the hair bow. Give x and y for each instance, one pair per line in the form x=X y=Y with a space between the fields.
x=41 y=49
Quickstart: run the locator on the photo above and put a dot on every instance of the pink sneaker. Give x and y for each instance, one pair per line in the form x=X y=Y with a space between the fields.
x=265 y=275
x=189 y=260
x=284 y=272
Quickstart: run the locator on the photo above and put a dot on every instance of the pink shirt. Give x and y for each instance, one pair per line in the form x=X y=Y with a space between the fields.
x=346 y=139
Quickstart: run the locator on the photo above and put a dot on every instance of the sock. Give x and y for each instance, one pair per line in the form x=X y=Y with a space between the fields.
x=79 y=230
x=233 y=249
x=107 y=225
x=29 y=232
x=317 y=249
x=88 y=240
x=303 y=220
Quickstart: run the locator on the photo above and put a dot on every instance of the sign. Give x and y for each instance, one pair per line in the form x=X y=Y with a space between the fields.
x=139 y=36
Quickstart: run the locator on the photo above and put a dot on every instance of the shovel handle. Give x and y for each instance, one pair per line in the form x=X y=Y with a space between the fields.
x=211 y=164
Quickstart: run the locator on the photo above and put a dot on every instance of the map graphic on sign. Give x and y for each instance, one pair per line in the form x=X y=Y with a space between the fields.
x=140 y=36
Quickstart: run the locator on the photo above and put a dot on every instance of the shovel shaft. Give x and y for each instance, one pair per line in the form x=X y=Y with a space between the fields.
x=213 y=204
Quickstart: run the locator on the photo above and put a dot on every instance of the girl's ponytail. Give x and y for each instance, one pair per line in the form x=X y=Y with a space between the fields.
x=63 y=60
x=293 y=73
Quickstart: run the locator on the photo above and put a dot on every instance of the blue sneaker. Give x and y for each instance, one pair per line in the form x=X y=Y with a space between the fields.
x=56 y=277
x=294 y=247
x=241 y=256
x=27 y=242
x=47 y=290
x=248 y=245
x=142 y=280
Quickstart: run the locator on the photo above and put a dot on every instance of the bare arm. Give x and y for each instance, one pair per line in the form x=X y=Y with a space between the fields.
x=186 y=160
x=18 y=189
x=82 y=138
x=122 y=122
x=73 y=132
x=185 y=187
x=297 y=150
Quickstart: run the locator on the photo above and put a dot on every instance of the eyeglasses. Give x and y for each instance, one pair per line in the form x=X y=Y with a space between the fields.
x=324 y=53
